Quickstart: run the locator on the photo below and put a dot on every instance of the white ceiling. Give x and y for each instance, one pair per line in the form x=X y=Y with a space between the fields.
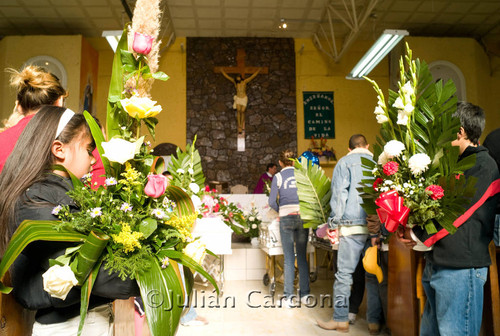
x=260 y=18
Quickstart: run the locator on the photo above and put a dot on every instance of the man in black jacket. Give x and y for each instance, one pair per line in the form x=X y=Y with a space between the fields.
x=457 y=266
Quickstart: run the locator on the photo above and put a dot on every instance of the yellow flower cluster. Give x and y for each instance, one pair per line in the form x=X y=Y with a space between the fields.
x=129 y=239
x=130 y=174
x=183 y=224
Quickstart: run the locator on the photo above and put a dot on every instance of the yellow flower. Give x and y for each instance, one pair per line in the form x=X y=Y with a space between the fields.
x=129 y=239
x=183 y=224
x=131 y=175
x=140 y=108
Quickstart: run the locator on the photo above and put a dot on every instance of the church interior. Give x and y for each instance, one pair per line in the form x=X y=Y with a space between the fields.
x=295 y=48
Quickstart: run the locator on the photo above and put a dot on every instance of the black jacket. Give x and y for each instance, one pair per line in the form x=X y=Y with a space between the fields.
x=37 y=203
x=468 y=247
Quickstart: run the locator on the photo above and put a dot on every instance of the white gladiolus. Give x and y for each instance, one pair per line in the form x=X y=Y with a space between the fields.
x=402 y=118
x=119 y=150
x=419 y=163
x=381 y=118
x=394 y=148
x=398 y=103
x=58 y=281
x=407 y=89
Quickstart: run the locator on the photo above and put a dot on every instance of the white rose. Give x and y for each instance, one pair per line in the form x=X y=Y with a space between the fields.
x=119 y=150
x=394 y=148
x=251 y=218
x=196 y=251
x=254 y=226
x=194 y=187
x=419 y=163
x=58 y=281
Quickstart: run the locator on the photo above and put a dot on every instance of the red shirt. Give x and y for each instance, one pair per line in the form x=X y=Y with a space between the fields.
x=8 y=139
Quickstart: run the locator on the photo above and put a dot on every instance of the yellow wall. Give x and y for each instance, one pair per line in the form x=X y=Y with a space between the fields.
x=15 y=50
x=354 y=100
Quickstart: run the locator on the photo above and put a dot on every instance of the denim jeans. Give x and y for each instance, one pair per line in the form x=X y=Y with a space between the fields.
x=292 y=230
x=454 y=303
x=350 y=250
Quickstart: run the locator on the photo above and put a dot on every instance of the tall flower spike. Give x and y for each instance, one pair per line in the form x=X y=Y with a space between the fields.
x=146 y=21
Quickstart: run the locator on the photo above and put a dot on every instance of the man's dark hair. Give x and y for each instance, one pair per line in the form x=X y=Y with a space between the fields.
x=270 y=165
x=472 y=120
x=357 y=140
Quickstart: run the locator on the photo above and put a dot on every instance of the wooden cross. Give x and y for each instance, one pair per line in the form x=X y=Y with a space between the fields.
x=241 y=67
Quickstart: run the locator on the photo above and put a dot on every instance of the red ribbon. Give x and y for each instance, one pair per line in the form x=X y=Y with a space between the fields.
x=391 y=210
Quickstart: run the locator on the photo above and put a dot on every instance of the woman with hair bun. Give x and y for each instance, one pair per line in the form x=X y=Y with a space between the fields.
x=34 y=87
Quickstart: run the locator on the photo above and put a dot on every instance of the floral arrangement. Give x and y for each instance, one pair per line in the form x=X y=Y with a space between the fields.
x=253 y=221
x=239 y=220
x=322 y=149
x=134 y=224
x=416 y=178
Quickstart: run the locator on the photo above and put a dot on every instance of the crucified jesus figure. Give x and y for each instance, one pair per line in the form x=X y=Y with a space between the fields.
x=240 y=98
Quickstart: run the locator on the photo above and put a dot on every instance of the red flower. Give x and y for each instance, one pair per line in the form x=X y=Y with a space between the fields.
x=457 y=176
x=435 y=191
x=377 y=182
x=142 y=43
x=390 y=168
x=207 y=188
x=216 y=207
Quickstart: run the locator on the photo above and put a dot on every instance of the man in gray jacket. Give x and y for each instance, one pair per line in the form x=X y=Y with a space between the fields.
x=350 y=219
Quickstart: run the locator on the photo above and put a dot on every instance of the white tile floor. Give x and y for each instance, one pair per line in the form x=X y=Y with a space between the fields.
x=263 y=318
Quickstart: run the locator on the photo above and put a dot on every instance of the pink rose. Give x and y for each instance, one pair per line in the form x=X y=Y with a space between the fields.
x=142 y=43
x=435 y=192
x=390 y=168
x=156 y=186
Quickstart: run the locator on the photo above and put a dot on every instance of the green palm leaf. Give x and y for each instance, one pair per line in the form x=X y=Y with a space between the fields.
x=28 y=232
x=313 y=189
x=116 y=89
x=163 y=293
x=183 y=161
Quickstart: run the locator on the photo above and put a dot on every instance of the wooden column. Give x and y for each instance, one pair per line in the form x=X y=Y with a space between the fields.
x=402 y=302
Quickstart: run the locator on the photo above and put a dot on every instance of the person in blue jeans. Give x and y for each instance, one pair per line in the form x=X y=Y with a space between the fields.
x=284 y=199
x=456 y=267
x=349 y=218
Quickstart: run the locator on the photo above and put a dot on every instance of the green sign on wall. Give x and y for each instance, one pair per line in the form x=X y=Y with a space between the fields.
x=319 y=114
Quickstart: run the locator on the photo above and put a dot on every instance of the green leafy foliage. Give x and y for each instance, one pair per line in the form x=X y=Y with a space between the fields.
x=186 y=168
x=314 y=191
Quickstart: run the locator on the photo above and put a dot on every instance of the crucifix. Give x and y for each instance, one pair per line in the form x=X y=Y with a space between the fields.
x=240 y=83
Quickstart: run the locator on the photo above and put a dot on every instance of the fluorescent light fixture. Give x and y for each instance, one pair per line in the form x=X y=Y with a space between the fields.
x=377 y=52
x=113 y=37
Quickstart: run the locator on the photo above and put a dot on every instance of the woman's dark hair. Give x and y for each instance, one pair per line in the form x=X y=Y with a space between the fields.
x=286 y=157
x=30 y=158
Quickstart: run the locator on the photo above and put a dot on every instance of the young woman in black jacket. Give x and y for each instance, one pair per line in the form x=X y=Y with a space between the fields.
x=29 y=189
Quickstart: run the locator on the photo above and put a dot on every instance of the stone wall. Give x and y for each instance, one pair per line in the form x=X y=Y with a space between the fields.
x=271 y=120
